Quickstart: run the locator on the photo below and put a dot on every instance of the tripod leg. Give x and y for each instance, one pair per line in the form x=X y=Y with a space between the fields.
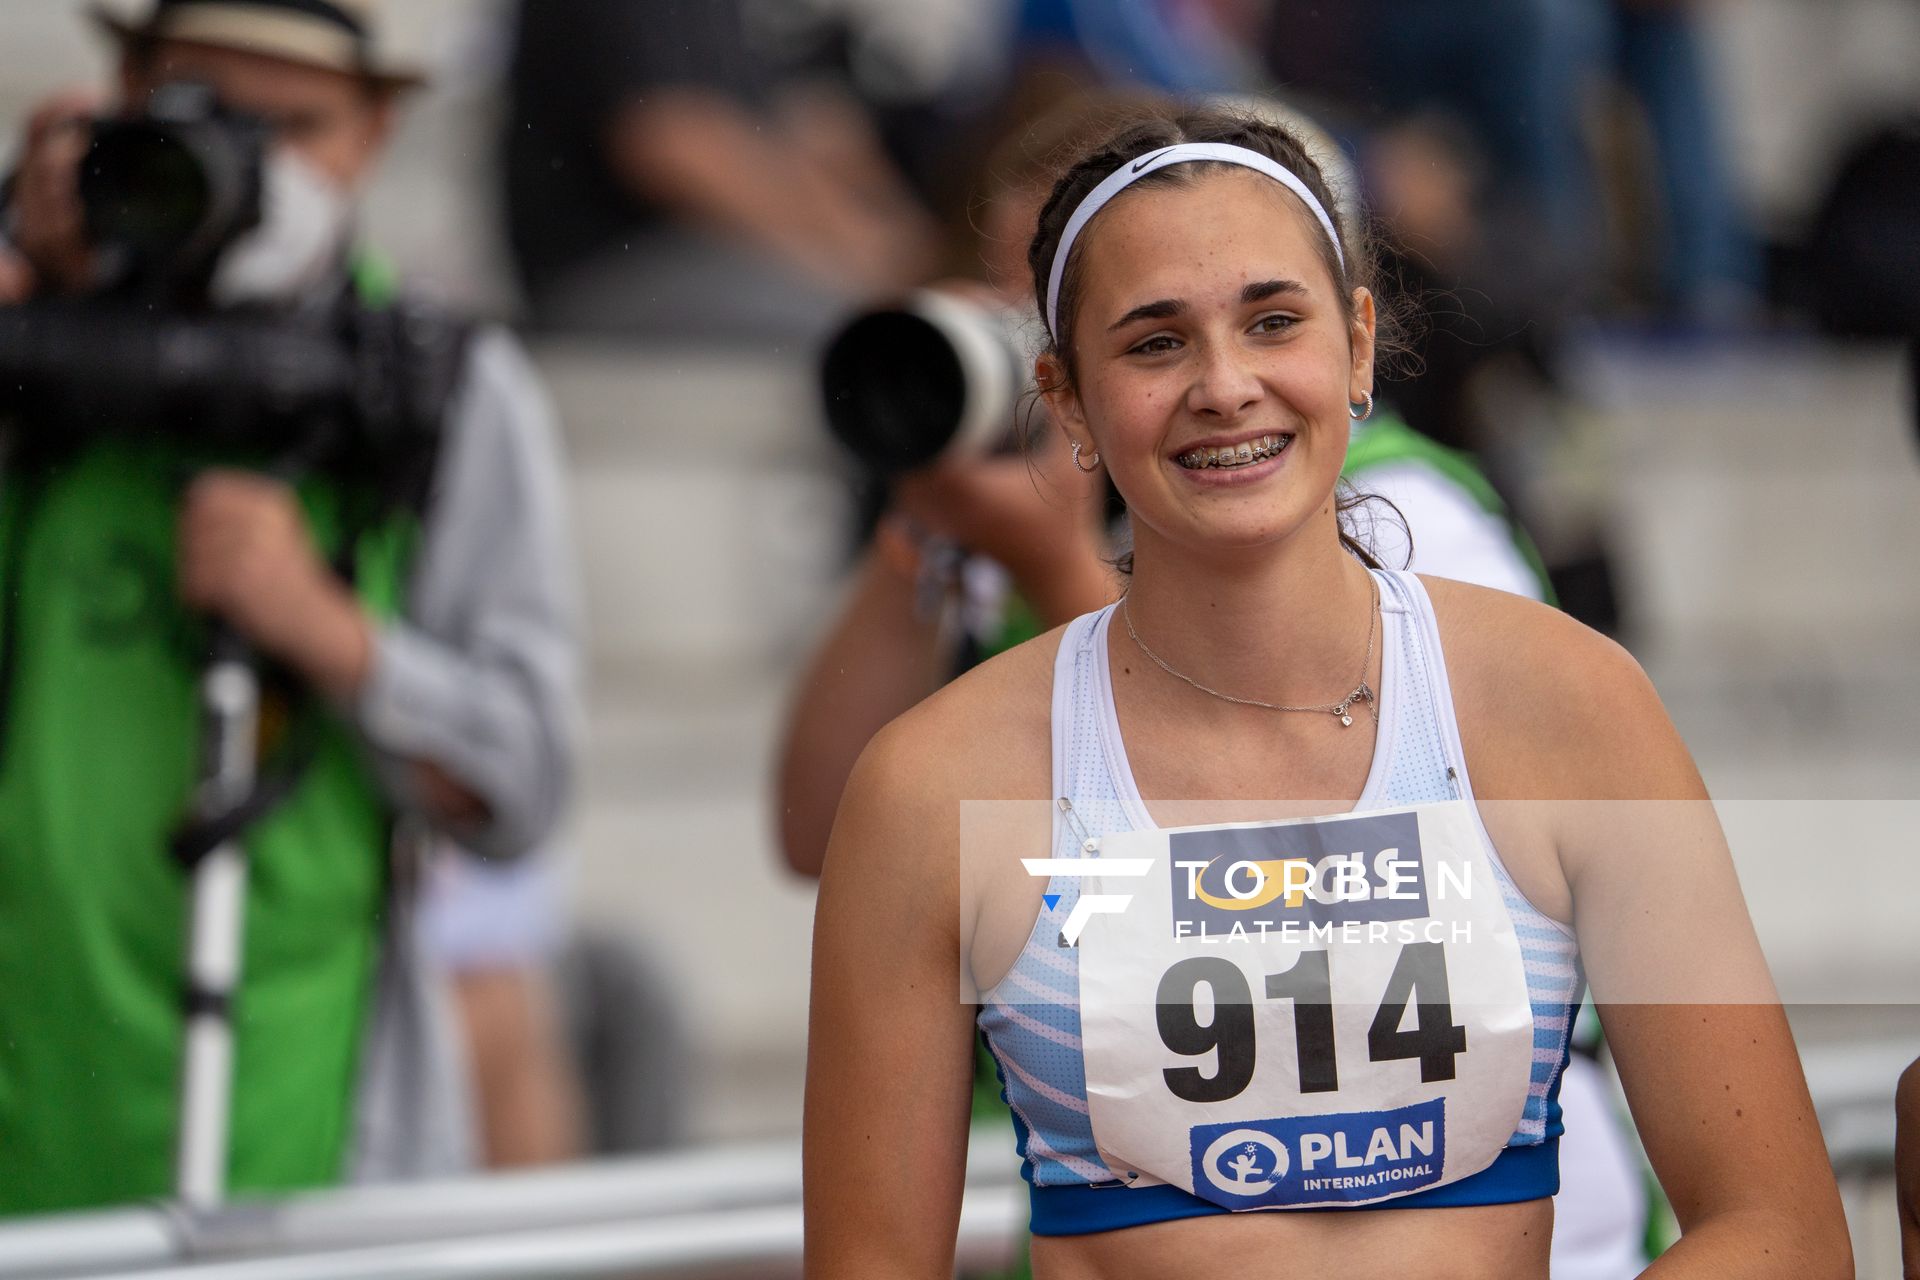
x=230 y=705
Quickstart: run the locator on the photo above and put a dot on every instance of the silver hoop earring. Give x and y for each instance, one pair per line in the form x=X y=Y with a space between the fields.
x=1365 y=413
x=1092 y=457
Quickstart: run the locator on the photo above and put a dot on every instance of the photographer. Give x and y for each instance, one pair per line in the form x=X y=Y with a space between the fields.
x=1028 y=523
x=424 y=653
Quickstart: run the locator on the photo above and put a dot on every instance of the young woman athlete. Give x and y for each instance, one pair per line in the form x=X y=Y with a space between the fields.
x=1328 y=850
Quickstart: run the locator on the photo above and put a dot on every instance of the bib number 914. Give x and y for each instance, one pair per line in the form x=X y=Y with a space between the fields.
x=1419 y=978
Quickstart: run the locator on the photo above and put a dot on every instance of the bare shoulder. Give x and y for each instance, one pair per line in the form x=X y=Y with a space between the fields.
x=1551 y=708
x=1533 y=646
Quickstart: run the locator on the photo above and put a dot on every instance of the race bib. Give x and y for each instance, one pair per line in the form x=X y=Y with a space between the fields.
x=1331 y=1011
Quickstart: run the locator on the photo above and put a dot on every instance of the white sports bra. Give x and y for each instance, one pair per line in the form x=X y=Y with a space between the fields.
x=1032 y=1018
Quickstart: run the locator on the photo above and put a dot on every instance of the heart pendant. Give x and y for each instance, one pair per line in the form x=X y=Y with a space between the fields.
x=1347 y=721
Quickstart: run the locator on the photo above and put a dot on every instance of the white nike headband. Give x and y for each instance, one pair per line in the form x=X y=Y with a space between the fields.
x=1180 y=153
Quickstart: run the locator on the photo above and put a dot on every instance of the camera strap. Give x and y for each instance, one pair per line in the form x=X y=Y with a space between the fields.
x=198 y=837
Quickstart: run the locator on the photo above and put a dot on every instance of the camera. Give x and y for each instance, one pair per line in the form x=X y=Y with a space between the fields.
x=165 y=193
x=935 y=375
x=333 y=384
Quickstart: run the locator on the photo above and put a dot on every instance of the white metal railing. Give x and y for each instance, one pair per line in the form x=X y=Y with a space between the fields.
x=724 y=1245
x=721 y=1211
x=711 y=1213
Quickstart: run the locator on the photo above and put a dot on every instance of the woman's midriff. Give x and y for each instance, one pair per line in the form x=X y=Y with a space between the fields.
x=1498 y=1242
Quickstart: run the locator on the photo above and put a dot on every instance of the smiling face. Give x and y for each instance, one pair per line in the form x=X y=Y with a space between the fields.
x=1213 y=362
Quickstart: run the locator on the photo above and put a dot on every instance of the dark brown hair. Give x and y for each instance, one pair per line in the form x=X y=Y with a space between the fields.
x=1152 y=130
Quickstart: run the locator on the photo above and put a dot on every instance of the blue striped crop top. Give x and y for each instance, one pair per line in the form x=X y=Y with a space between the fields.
x=1030 y=1019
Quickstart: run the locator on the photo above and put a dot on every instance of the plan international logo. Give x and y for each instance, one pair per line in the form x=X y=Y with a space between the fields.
x=1331 y=1159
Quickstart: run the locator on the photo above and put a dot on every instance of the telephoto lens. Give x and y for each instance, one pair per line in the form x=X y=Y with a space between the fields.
x=933 y=376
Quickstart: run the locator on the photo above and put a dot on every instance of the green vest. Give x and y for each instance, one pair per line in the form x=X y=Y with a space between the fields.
x=1387 y=439
x=97 y=765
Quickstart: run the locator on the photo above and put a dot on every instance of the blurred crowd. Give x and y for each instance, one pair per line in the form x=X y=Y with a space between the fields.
x=674 y=174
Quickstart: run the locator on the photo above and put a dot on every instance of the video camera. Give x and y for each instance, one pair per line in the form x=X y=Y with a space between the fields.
x=346 y=388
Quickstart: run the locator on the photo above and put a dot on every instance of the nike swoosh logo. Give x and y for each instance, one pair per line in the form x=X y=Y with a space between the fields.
x=1138 y=165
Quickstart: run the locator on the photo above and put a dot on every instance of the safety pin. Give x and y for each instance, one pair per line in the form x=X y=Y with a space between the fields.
x=1087 y=843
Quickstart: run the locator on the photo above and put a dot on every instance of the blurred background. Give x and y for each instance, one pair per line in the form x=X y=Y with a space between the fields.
x=1666 y=262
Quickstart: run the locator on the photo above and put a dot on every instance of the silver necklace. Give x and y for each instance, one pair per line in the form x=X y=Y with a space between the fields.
x=1362 y=692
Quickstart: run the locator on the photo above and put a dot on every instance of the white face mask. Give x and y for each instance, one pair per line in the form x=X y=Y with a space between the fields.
x=305 y=219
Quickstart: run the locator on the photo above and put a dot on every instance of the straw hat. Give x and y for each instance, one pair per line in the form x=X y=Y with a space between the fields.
x=338 y=35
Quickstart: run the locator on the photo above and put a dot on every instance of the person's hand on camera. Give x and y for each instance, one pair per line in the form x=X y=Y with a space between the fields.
x=44 y=220
x=1038 y=516
x=246 y=556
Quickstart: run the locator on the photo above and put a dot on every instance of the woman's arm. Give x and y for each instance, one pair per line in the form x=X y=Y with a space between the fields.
x=1906 y=1166
x=1702 y=1045
x=889 y=1042
x=1602 y=818
x=878 y=659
